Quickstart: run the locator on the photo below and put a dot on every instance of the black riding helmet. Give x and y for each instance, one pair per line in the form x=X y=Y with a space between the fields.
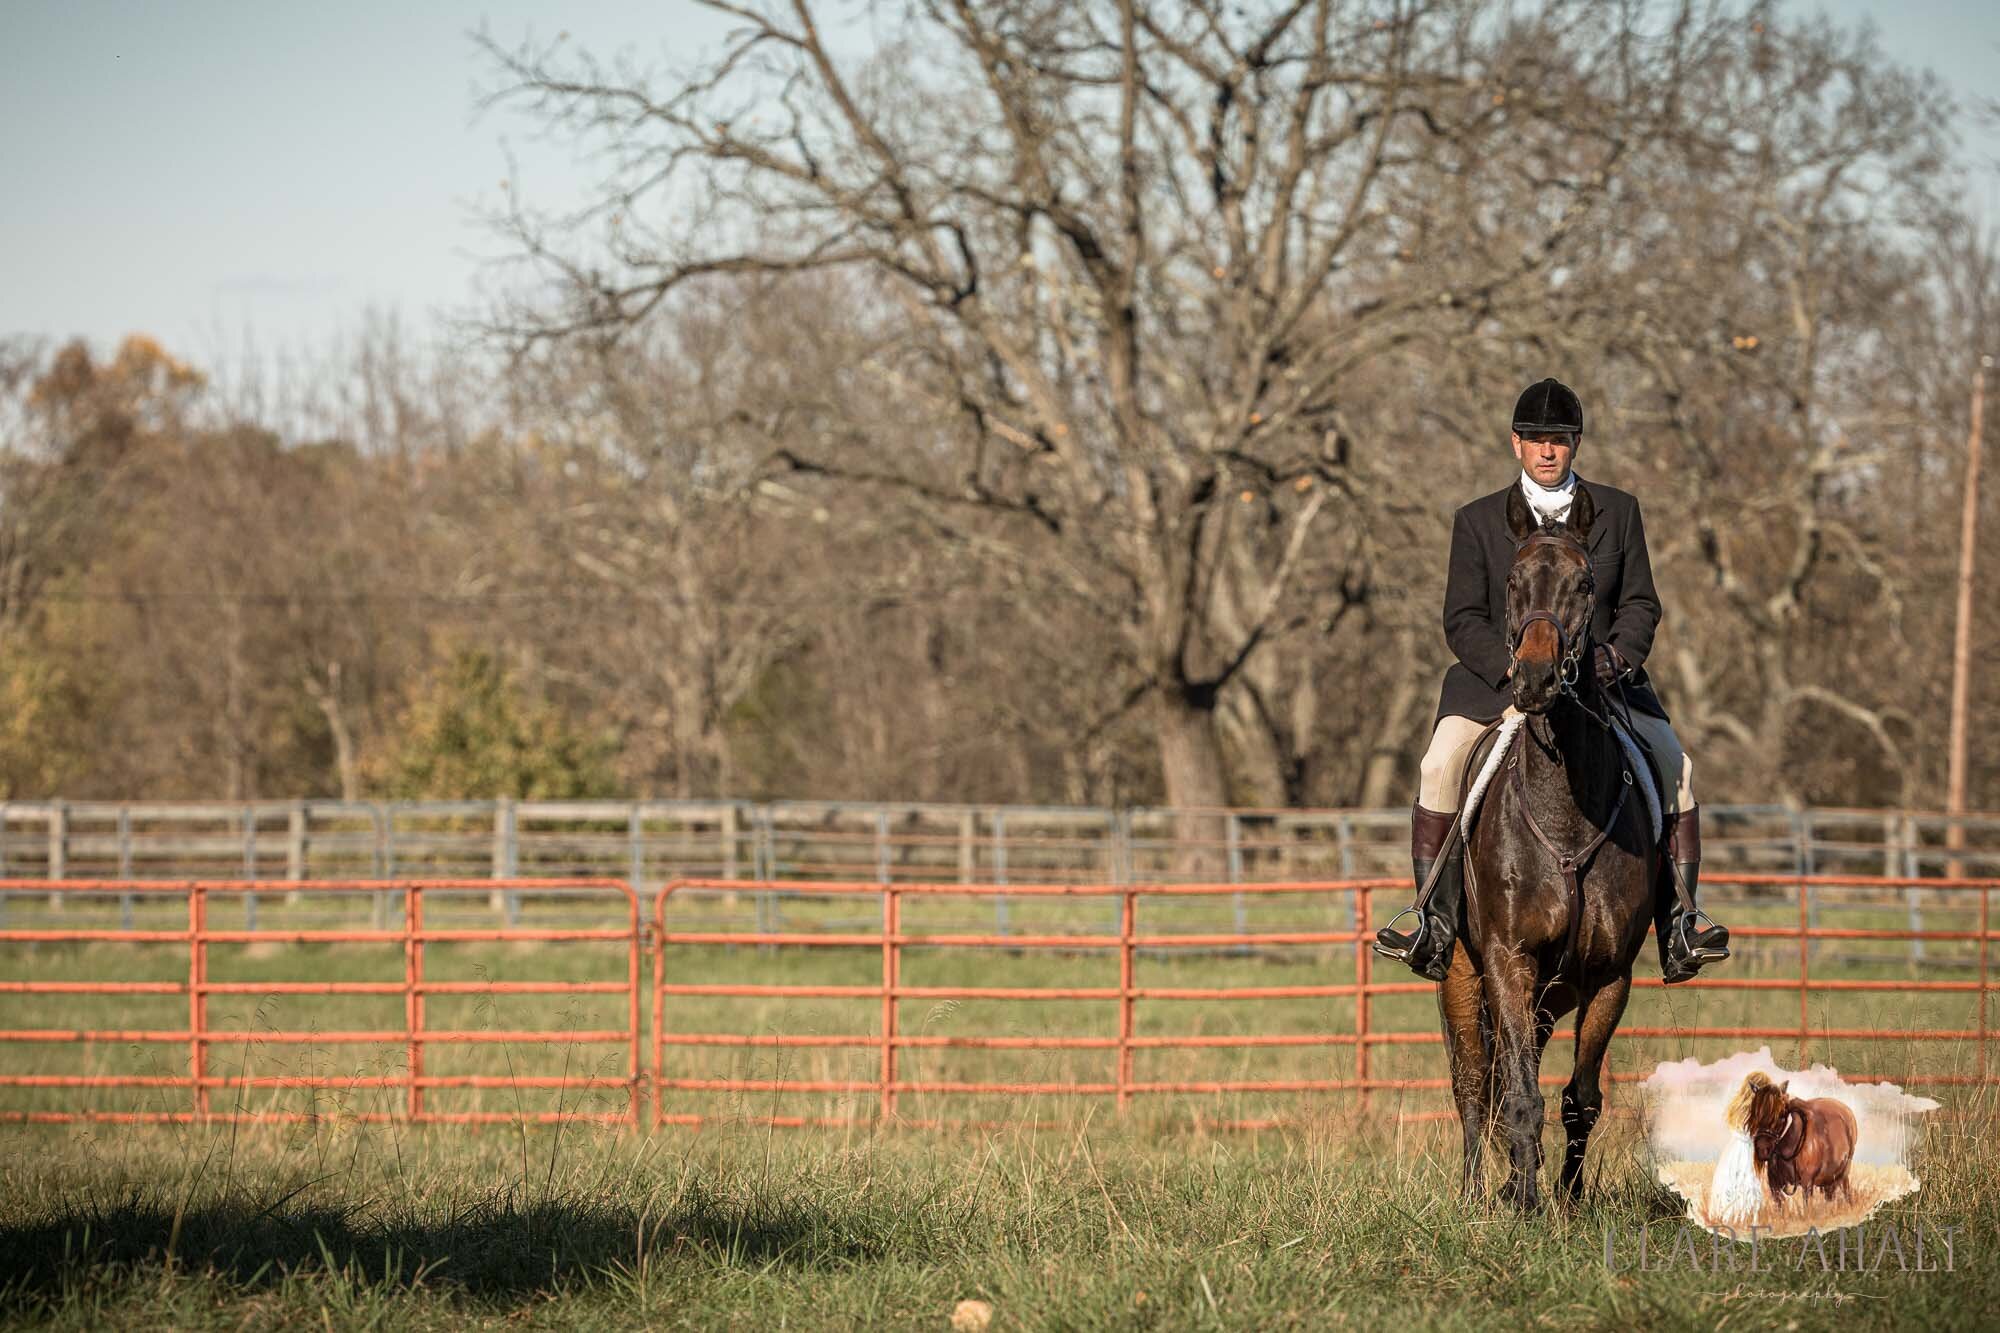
x=1548 y=405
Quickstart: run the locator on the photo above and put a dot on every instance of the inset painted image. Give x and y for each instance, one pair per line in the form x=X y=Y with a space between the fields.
x=1747 y=1143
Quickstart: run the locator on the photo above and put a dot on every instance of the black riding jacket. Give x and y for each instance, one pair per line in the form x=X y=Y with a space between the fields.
x=1626 y=613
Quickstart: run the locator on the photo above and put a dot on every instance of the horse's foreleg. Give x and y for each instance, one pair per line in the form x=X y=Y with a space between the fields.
x=1509 y=983
x=1583 y=1098
x=1466 y=1046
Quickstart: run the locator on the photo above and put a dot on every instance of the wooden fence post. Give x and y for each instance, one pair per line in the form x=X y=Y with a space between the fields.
x=503 y=857
x=58 y=848
x=125 y=903
x=295 y=848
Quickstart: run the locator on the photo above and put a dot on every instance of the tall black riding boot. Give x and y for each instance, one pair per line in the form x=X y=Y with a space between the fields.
x=1427 y=949
x=1686 y=944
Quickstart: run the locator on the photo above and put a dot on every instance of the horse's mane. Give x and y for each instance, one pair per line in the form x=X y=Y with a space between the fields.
x=1740 y=1106
x=1469 y=806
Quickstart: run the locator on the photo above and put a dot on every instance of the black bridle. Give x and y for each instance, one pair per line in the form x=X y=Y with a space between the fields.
x=1569 y=656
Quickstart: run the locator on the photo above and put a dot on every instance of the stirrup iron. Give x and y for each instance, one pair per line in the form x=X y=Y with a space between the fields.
x=1707 y=953
x=1407 y=950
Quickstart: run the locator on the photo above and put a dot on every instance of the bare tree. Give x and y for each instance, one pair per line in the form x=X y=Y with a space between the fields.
x=1765 y=403
x=1135 y=254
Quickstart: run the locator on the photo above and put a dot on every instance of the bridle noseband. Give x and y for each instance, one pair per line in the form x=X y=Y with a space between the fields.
x=1569 y=656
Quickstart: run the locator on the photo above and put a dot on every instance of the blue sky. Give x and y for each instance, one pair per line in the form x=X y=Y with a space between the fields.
x=225 y=175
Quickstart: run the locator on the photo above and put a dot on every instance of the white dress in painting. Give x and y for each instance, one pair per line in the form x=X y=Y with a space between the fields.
x=1736 y=1193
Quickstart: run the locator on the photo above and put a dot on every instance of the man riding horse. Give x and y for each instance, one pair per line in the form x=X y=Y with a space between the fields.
x=1547 y=430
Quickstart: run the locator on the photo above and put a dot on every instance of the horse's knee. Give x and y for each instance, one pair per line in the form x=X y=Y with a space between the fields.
x=1522 y=1111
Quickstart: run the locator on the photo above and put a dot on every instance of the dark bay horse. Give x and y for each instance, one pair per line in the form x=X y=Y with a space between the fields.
x=1560 y=870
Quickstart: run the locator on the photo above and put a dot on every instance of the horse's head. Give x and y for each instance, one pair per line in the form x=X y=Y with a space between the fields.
x=1759 y=1105
x=1549 y=595
x=1738 y=1112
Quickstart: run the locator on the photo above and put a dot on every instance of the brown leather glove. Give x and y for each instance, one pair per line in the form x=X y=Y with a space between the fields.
x=1608 y=664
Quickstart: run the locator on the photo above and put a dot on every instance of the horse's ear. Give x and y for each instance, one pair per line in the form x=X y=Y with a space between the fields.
x=1520 y=518
x=1582 y=513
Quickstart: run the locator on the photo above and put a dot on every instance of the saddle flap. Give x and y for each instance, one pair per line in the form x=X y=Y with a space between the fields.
x=1652 y=778
x=1476 y=760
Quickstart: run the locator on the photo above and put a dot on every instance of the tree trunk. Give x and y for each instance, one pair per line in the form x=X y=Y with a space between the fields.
x=327 y=696
x=698 y=737
x=1400 y=715
x=1197 y=787
x=933 y=647
x=1261 y=765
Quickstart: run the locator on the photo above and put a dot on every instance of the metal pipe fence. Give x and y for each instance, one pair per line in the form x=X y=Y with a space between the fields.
x=414 y=940
x=723 y=987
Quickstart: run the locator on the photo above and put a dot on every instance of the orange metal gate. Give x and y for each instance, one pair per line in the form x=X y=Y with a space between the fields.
x=201 y=1081
x=886 y=938
x=893 y=940
x=1365 y=1037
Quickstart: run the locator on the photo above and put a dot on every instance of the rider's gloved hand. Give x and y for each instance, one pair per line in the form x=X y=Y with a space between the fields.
x=1608 y=664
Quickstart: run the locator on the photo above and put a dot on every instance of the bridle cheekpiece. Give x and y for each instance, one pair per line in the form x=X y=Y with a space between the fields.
x=1569 y=655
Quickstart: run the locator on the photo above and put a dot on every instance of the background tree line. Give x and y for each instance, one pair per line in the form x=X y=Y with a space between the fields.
x=1053 y=402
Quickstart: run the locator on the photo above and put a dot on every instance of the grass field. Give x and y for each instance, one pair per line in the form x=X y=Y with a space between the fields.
x=1060 y=1214
x=1089 y=1225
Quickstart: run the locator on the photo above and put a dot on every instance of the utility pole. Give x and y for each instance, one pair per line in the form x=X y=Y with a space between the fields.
x=1961 y=656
